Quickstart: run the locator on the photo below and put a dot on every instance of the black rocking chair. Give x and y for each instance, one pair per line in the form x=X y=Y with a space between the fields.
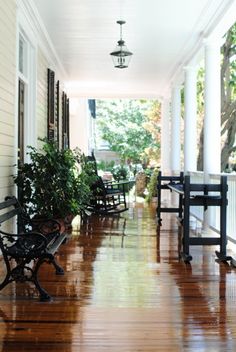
x=107 y=197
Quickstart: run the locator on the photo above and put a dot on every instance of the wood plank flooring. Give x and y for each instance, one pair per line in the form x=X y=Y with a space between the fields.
x=125 y=290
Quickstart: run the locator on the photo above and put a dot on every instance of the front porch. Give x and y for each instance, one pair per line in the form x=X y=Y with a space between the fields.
x=124 y=289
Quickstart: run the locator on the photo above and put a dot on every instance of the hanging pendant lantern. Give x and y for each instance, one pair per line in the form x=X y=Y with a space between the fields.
x=121 y=55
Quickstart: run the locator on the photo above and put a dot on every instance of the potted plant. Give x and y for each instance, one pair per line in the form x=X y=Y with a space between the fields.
x=120 y=172
x=52 y=185
x=152 y=186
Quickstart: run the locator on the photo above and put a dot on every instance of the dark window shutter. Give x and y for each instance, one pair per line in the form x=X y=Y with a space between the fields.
x=65 y=121
x=51 y=105
x=57 y=113
x=92 y=107
x=68 y=121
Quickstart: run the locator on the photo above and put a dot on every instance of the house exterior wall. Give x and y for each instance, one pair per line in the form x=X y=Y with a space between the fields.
x=17 y=16
x=7 y=94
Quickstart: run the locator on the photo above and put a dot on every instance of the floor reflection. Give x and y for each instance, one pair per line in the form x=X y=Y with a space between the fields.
x=125 y=290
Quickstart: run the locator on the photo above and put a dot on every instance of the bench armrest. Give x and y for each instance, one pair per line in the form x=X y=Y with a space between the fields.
x=22 y=245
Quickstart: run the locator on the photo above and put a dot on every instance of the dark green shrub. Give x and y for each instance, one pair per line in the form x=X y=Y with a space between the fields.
x=52 y=185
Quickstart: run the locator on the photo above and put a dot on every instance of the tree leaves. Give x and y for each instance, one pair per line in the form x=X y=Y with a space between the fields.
x=130 y=127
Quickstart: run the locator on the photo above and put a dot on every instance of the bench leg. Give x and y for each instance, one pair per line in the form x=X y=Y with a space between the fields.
x=181 y=208
x=59 y=269
x=18 y=274
x=44 y=296
x=185 y=255
x=6 y=281
x=158 y=210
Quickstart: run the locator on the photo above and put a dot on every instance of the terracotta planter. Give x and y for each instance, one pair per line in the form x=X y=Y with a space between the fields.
x=47 y=226
x=67 y=222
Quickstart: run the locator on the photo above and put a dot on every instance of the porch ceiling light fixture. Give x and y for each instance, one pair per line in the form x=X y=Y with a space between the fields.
x=121 y=55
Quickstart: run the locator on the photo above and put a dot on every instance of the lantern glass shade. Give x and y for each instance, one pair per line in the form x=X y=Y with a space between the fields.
x=121 y=56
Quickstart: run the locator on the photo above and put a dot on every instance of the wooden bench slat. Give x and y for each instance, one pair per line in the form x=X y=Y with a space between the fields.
x=56 y=244
x=6 y=216
x=7 y=203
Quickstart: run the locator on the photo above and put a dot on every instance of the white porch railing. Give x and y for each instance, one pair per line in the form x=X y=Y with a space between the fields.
x=214 y=212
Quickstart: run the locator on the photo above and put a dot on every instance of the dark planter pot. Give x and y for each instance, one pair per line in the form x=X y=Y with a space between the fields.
x=47 y=226
x=68 y=222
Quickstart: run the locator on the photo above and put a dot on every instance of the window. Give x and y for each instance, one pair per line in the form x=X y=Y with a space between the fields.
x=23 y=56
x=26 y=117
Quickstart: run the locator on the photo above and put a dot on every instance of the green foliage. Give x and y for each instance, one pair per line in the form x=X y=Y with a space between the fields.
x=120 y=172
x=88 y=173
x=228 y=101
x=200 y=91
x=152 y=186
x=228 y=97
x=148 y=173
x=121 y=124
x=51 y=184
x=105 y=165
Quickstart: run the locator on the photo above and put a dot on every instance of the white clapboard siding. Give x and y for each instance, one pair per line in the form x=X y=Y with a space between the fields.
x=7 y=161
x=7 y=110
x=7 y=171
x=8 y=10
x=7 y=128
x=6 y=141
x=7 y=150
x=7 y=95
x=5 y=73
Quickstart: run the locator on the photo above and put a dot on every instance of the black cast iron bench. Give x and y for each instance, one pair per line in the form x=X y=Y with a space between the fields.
x=25 y=251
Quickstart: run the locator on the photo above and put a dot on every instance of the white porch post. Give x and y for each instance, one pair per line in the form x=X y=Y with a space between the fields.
x=79 y=120
x=165 y=136
x=175 y=129
x=212 y=118
x=190 y=119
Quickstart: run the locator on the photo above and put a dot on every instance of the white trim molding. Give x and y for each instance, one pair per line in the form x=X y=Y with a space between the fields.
x=29 y=16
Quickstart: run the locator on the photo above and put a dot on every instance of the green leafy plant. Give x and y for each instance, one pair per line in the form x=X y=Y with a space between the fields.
x=120 y=172
x=52 y=184
x=105 y=165
x=152 y=186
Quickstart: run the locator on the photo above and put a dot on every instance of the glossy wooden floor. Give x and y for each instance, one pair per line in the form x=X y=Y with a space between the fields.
x=125 y=290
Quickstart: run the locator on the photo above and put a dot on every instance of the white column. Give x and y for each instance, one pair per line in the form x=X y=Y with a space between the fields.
x=190 y=119
x=212 y=118
x=175 y=129
x=79 y=124
x=165 y=137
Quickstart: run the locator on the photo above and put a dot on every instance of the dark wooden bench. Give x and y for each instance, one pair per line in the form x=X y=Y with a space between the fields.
x=163 y=182
x=194 y=194
x=25 y=251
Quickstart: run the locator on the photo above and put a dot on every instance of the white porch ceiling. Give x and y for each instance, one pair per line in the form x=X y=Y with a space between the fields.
x=162 y=34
